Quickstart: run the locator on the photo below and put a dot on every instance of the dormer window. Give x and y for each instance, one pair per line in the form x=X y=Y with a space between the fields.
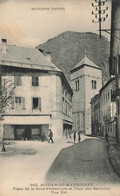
x=28 y=58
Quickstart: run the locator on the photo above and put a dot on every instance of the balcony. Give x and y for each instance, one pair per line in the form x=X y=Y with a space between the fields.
x=106 y=118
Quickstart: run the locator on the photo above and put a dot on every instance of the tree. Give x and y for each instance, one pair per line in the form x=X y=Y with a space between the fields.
x=6 y=97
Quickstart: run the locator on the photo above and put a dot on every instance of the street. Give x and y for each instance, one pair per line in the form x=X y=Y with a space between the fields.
x=35 y=162
x=83 y=162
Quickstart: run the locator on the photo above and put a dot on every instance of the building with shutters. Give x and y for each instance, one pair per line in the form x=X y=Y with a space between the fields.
x=96 y=115
x=108 y=108
x=42 y=98
x=86 y=81
x=103 y=107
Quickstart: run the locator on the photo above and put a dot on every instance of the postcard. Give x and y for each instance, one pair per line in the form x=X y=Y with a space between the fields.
x=59 y=122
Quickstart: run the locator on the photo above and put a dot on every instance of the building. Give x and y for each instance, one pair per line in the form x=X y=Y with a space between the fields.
x=86 y=81
x=103 y=107
x=42 y=98
x=95 y=115
x=108 y=108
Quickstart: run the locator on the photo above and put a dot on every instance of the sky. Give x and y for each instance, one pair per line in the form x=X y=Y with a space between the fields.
x=29 y=23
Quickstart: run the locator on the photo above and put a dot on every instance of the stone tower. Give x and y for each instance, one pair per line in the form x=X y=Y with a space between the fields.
x=86 y=81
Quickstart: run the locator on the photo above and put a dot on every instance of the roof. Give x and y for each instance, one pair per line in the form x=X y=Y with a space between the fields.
x=85 y=61
x=93 y=99
x=26 y=58
x=30 y=58
x=107 y=83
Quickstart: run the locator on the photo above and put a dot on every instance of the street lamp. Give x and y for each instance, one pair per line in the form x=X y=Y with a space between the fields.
x=99 y=13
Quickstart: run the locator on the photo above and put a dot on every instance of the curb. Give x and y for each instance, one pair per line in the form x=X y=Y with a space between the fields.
x=113 y=159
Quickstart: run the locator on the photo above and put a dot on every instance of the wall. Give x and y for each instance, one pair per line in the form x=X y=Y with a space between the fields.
x=91 y=74
x=51 y=91
x=108 y=111
x=78 y=100
x=9 y=132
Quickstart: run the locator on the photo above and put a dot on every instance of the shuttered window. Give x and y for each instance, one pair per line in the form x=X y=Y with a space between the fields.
x=23 y=103
x=12 y=103
x=17 y=81
x=18 y=103
x=35 y=81
x=36 y=103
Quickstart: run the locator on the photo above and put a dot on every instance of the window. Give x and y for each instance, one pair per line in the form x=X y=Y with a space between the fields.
x=108 y=95
x=94 y=84
x=19 y=103
x=35 y=81
x=77 y=85
x=17 y=81
x=36 y=103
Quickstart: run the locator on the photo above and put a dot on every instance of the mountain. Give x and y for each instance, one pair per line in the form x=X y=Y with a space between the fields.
x=68 y=48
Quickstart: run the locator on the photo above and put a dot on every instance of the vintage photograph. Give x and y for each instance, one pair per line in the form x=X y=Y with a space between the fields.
x=59 y=97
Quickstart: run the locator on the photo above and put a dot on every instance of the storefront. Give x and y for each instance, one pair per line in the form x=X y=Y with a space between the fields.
x=27 y=127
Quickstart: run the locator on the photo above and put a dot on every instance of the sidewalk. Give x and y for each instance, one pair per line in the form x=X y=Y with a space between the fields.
x=114 y=154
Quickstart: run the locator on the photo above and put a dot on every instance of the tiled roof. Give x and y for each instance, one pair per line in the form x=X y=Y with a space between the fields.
x=85 y=61
x=26 y=58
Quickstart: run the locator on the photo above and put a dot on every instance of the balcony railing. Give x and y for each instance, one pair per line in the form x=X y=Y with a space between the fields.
x=106 y=118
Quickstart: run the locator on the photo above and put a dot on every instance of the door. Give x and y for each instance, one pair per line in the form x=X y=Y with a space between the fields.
x=27 y=132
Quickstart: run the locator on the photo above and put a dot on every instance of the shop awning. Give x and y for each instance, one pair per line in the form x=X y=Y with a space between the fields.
x=26 y=120
x=67 y=122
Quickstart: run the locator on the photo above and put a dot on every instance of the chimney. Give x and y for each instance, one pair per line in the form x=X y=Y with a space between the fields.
x=4 y=46
x=48 y=56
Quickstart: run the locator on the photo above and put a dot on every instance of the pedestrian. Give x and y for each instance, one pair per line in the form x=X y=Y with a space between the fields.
x=79 y=138
x=106 y=136
x=74 y=136
x=50 y=136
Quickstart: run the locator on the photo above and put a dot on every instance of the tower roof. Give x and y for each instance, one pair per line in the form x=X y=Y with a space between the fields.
x=87 y=62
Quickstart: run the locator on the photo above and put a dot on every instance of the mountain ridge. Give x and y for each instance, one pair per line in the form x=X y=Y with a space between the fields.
x=69 y=48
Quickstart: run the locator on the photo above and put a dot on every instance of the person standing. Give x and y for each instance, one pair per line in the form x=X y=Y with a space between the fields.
x=106 y=136
x=50 y=136
x=79 y=138
x=74 y=136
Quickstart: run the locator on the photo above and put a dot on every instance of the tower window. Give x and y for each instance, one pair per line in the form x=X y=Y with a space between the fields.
x=94 y=84
x=77 y=85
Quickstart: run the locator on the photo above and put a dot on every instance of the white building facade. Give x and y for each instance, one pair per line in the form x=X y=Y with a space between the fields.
x=42 y=98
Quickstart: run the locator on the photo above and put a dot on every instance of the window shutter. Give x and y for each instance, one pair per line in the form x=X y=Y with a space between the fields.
x=19 y=81
x=23 y=103
x=15 y=80
x=12 y=103
x=39 y=103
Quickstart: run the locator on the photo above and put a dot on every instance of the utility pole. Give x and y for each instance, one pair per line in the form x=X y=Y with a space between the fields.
x=114 y=63
x=99 y=13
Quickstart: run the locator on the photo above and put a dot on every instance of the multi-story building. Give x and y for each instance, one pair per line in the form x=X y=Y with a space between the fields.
x=42 y=98
x=95 y=115
x=106 y=109
x=86 y=81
